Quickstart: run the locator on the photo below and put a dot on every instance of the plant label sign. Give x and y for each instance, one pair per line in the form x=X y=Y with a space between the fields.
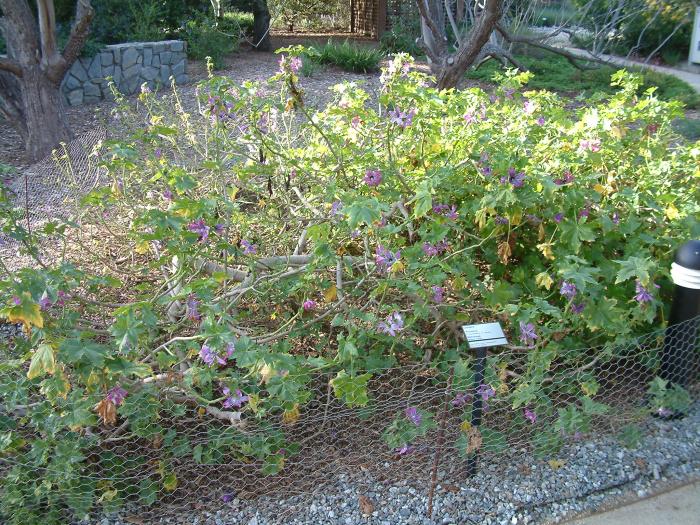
x=485 y=334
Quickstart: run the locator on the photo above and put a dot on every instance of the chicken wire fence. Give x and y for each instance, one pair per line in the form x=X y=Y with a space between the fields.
x=163 y=454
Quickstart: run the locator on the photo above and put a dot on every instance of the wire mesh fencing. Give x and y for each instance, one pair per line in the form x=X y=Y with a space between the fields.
x=158 y=449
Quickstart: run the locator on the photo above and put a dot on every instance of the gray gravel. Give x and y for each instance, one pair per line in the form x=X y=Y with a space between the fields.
x=516 y=490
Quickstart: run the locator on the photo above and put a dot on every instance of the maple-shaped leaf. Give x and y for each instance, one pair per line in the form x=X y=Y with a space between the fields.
x=289 y=417
x=26 y=312
x=107 y=412
x=43 y=362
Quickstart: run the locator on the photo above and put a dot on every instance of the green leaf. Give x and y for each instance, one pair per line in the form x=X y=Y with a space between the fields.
x=634 y=267
x=493 y=441
x=43 y=362
x=362 y=212
x=77 y=350
x=351 y=389
x=148 y=491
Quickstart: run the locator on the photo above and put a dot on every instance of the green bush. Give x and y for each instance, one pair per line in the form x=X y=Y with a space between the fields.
x=400 y=40
x=421 y=211
x=205 y=39
x=556 y=73
x=236 y=23
x=347 y=56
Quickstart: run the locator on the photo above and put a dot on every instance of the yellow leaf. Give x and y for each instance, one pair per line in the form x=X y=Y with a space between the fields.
x=266 y=373
x=201 y=411
x=618 y=132
x=600 y=189
x=330 y=294
x=108 y=495
x=273 y=315
x=289 y=417
x=43 y=362
x=170 y=482
x=27 y=312
x=397 y=267
x=465 y=427
x=546 y=249
x=544 y=280
x=540 y=232
x=232 y=192
x=672 y=212
x=436 y=148
x=141 y=247
x=539 y=187
x=516 y=218
x=556 y=464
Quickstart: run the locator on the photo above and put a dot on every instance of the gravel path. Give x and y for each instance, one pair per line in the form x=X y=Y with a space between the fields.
x=518 y=489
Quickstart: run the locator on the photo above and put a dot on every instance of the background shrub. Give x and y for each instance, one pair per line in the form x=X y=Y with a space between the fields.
x=347 y=56
x=205 y=39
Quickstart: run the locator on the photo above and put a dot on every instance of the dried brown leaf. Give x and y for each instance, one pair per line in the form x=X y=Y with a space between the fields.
x=475 y=440
x=366 y=505
x=107 y=412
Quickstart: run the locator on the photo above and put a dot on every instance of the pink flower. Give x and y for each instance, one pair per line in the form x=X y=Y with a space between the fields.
x=530 y=415
x=592 y=145
x=373 y=178
x=438 y=294
x=116 y=395
x=309 y=305
x=414 y=416
x=529 y=107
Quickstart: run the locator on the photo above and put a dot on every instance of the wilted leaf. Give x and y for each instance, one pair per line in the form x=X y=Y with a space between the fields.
x=289 y=417
x=475 y=440
x=170 y=482
x=107 y=412
x=43 y=362
x=266 y=373
x=366 y=505
x=27 y=312
x=504 y=252
x=544 y=280
x=141 y=247
x=330 y=294
x=672 y=212
x=556 y=464
x=546 y=249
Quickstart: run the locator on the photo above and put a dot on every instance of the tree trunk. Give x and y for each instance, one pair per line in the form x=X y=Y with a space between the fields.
x=261 y=26
x=31 y=73
x=44 y=115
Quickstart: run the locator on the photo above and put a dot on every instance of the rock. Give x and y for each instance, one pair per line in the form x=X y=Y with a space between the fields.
x=131 y=72
x=129 y=58
x=165 y=75
x=91 y=90
x=71 y=83
x=78 y=70
x=149 y=73
x=177 y=46
x=106 y=58
x=147 y=56
x=75 y=97
x=95 y=69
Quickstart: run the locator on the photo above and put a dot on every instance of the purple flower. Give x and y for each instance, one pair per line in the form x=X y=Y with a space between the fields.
x=616 y=218
x=566 y=179
x=193 y=308
x=559 y=217
x=227 y=498
x=116 y=395
x=586 y=212
x=295 y=64
x=529 y=107
x=392 y=324
x=533 y=219
x=469 y=117
x=461 y=399
x=448 y=211
x=168 y=194
x=438 y=294
x=405 y=449
x=515 y=179
x=486 y=170
x=16 y=300
x=501 y=220
x=530 y=415
x=384 y=258
x=62 y=296
x=400 y=118
x=435 y=249
x=158 y=153
x=219 y=228
x=45 y=302
x=568 y=290
x=200 y=228
x=207 y=355
x=642 y=293
x=145 y=89
x=309 y=305
x=336 y=207
x=540 y=121
x=355 y=122
x=373 y=178
x=527 y=333
x=485 y=391
x=230 y=349
x=234 y=401
x=577 y=308
x=414 y=416
x=249 y=248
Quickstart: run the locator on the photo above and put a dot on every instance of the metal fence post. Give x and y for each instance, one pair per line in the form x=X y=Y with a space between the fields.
x=681 y=339
x=477 y=405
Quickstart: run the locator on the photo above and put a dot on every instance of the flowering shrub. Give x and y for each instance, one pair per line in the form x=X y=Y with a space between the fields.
x=273 y=245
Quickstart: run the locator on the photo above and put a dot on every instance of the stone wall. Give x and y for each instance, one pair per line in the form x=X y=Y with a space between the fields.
x=129 y=65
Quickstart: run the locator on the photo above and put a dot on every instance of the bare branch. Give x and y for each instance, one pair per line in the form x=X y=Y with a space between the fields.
x=10 y=65
x=573 y=59
x=84 y=13
x=451 y=18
